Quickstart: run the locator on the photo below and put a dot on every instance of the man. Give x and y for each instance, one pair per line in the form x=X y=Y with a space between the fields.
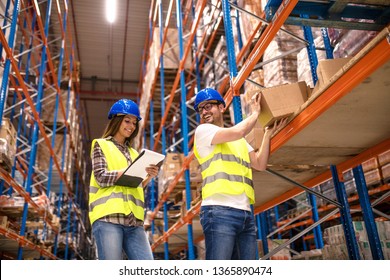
x=226 y=161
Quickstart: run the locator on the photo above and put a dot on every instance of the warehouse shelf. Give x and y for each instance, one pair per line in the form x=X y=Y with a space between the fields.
x=317 y=126
x=362 y=14
x=34 y=87
x=328 y=207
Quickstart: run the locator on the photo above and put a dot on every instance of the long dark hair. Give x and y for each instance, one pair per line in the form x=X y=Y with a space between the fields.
x=112 y=128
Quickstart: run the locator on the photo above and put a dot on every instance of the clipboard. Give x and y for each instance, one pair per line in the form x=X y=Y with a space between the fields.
x=135 y=173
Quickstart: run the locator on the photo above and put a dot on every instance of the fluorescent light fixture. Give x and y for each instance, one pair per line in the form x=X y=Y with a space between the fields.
x=111 y=10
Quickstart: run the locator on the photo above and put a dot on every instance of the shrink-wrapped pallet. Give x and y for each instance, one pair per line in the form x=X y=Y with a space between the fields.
x=282 y=70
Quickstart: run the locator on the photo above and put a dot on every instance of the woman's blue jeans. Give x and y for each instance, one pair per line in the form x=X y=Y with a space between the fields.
x=112 y=238
x=230 y=233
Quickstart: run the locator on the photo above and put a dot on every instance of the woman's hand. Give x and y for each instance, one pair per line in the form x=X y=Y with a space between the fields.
x=120 y=173
x=152 y=170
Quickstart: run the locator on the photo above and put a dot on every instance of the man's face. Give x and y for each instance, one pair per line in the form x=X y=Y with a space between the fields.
x=210 y=112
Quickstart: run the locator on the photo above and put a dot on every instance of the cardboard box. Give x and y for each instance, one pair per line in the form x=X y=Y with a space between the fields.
x=372 y=177
x=384 y=158
x=255 y=137
x=370 y=164
x=327 y=68
x=281 y=101
x=195 y=171
x=386 y=172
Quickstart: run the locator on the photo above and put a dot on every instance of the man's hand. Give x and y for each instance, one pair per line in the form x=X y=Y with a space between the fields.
x=255 y=103
x=275 y=127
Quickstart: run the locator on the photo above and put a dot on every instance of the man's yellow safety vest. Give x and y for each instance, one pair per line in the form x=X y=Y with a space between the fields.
x=227 y=170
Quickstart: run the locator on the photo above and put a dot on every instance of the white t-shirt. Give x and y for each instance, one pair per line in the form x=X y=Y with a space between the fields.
x=204 y=134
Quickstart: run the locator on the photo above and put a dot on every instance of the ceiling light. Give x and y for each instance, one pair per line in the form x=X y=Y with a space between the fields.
x=111 y=10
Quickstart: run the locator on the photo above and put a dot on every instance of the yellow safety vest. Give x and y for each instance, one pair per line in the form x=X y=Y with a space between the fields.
x=115 y=199
x=227 y=170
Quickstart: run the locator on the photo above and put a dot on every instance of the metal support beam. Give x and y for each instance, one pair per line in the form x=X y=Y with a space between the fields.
x=368 y=216
x=263 y=232
x=303 y=187
x=345 y=217
x=317 y=230
x=299 y=235
x=184 y=126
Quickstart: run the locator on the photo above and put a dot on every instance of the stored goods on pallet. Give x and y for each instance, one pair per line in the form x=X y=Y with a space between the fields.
x=220 y=59
x=43 y=155
x=370 y=164
x=171 y=168
x=303 y=65
x=283 y=70
x=386 y=172
x=372 y=177
x=283 y=254
x=384 y=158
x=7 y=144
x=195 y=197
x=171 y=50
x=336 y=243
x=349 y=42
x=66 y=72
x=248 y=22
x=315 y=254
x=49 y=105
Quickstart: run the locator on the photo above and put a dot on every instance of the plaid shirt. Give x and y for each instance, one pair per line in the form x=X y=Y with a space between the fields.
x=107 y=178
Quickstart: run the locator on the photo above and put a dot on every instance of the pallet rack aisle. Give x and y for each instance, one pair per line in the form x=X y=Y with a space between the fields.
x=316 y=136
x=42 y=198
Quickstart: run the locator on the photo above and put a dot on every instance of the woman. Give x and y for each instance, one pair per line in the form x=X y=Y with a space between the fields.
x=116 y=212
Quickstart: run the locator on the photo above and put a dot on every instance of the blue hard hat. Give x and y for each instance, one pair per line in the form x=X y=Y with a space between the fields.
x=206 y=95
x=124 y=106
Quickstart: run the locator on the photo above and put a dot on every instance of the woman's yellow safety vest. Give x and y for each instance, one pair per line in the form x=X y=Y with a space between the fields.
x=227 y=170
x=114 y=199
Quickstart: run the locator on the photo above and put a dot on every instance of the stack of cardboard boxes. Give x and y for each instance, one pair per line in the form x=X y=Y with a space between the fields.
x=171 y=168
x=336 y=247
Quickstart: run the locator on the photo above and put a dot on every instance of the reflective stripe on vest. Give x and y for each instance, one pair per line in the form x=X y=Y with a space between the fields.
x=227 y=170
x=223 y=157
x=114 y=199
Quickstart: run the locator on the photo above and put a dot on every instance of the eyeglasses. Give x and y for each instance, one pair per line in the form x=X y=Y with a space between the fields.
x=206 y=107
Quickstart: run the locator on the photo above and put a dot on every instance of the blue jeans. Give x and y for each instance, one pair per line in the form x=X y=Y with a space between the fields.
x=230 y=233
x=112 y=238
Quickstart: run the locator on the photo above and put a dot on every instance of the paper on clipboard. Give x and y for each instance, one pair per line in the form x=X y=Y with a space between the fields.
x=136 y=173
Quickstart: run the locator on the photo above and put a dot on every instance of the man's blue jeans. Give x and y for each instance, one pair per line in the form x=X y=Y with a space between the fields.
x=230 y=233
x=112 y=238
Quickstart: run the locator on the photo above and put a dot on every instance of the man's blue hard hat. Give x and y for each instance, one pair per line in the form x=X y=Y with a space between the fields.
x=207 y=94
x=126 y=107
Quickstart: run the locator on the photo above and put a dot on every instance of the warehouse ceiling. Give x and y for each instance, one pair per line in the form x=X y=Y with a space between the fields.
x=110 y=55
